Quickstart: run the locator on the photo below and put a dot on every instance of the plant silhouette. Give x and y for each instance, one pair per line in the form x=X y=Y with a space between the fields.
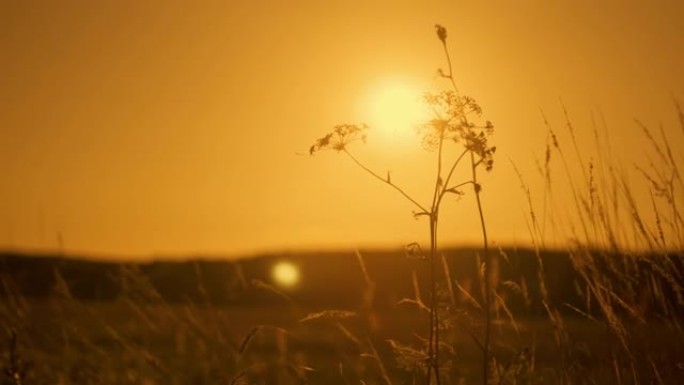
x=453 y=129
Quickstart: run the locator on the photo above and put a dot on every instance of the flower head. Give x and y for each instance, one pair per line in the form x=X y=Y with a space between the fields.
x=452 y=122
x=339 y=138
x=441 y=33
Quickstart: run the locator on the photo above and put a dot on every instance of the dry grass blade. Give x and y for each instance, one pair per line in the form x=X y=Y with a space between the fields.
x=419 y=304
x=329 y=314
x=408 y=357
x=378 y=361
x=501 y=301
x=582 y=313
x=347 y=333
x=447 y=275
x=364 y=270
x=15 y=371
x=298 y=371
x=469 y=298
x=248 y=338
x=417 y=301
x=251 y=334
x=264 y=286
x=238 y=379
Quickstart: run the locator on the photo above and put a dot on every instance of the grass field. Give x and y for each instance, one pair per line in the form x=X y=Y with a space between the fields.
x=141 y=337
x=93 y=343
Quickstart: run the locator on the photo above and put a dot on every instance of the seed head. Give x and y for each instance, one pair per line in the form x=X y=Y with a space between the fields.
x=441 y=33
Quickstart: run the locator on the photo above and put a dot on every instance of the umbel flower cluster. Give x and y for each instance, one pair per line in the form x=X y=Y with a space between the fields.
x=340 y=137
x=450 y=123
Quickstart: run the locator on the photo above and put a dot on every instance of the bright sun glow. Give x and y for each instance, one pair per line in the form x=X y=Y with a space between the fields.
x=394 y=109
x=285 y=274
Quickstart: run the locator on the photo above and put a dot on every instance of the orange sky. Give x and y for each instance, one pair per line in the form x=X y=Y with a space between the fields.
x=164 y=127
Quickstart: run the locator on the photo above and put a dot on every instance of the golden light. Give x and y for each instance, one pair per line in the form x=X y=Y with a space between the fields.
x=285 y=274
x=394 y=108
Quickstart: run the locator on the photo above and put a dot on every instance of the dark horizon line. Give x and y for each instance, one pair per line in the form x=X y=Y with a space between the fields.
x=283 y=252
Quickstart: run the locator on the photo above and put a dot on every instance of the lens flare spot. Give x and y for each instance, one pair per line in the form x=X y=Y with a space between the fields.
x=285 y=274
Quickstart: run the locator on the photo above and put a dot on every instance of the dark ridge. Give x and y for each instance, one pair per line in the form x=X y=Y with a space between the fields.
x=328 y=279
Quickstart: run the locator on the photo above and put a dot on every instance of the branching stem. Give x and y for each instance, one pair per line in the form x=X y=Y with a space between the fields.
x=384 y=180
x=445 y=189
x=456 y=126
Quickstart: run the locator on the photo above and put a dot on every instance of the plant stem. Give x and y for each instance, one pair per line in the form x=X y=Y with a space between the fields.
x=476 y=187
x=450 y=76
x=487 y=283
x=401 y=191
x=433 y=344
x=433 y=340
x=452 y=169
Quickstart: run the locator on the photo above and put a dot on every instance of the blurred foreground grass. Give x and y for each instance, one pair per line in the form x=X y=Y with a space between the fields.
x=65 y=341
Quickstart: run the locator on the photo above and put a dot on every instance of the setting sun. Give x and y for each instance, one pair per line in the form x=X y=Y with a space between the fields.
x=394 y=108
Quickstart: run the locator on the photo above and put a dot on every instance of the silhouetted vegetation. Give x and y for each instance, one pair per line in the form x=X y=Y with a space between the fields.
x=606 y=309
x=452 y=131
x=158 y=314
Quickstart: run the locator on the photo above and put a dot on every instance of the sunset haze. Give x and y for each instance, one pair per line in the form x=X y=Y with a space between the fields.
x=137 y=129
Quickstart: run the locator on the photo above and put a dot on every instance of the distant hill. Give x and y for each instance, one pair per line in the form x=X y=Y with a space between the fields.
x=328 y=279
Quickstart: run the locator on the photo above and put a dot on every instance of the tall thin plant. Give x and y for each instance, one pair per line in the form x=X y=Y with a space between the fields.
x=451 y=130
